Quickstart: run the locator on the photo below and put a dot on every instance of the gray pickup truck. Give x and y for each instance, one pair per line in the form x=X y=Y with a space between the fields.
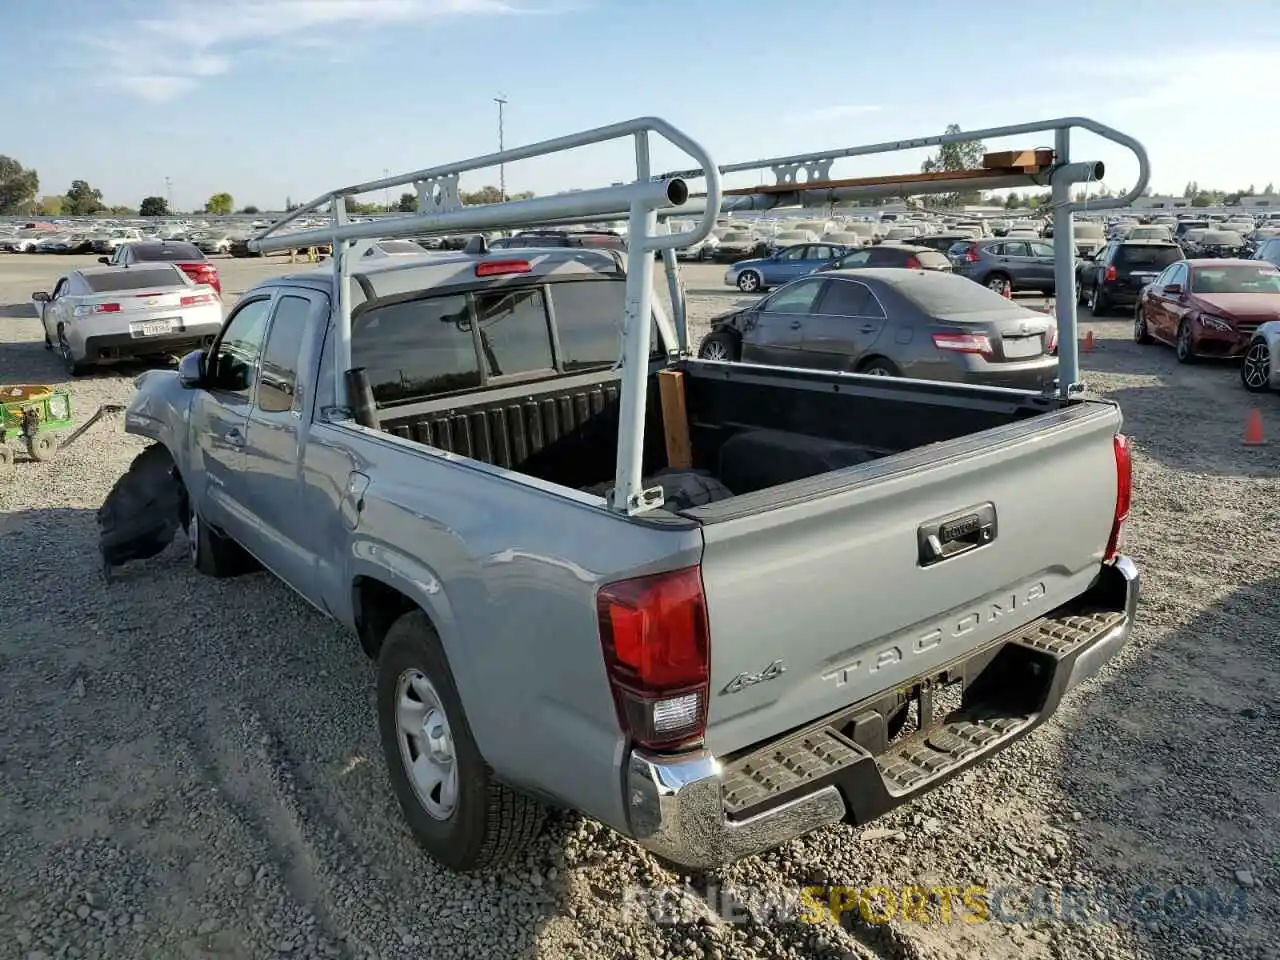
x=771 y=652
x=712 y=605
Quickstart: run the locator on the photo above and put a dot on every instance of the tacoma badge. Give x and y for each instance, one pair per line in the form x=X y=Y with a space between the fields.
x=749 y=679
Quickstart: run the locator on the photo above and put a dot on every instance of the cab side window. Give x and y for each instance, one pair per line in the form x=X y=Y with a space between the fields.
x=233 y=364
x=278 y=372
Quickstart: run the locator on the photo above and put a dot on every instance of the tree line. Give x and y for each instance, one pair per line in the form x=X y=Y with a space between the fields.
x=20 y=192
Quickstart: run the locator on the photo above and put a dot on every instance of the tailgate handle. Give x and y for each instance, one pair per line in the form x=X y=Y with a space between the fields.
x=956 y=534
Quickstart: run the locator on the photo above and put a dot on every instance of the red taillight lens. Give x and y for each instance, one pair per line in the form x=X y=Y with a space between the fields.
x=1124 y=493
x=913 y=263
x=655 y=636
x=496 y=268
x=959 y=342
x=197 y=299
x=1110 y=275
x=1053 y=339
x=971 y=255
x=106 y=308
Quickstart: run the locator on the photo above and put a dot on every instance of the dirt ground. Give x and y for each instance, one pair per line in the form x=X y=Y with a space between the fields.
x=190 y=768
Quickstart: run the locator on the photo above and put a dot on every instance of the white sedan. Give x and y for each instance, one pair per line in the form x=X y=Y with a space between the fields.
x=1260 y=369
x=97 y=315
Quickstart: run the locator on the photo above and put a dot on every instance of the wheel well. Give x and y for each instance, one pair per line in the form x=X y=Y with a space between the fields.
x=996 y=273
x=868 y=361
x=376 y=607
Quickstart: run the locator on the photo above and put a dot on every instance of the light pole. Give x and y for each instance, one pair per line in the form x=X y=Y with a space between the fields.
x=168 y=194
x=502 y=167
x=386 y=191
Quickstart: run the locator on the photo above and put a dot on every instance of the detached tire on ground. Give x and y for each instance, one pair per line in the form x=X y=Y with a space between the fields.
x=459 y=814
x=142 y=512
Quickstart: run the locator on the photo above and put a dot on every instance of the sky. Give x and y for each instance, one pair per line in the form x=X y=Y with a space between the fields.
x=276 y=99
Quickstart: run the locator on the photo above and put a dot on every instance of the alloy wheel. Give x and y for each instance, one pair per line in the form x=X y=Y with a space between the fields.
x=1255 y=370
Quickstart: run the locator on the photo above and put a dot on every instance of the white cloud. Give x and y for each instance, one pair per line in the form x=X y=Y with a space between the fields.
x=837 y=112
x=161 y=58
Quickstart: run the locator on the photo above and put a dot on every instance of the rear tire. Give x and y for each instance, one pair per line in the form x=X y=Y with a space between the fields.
x=459 y=814
x=1098 y=303
x=996 y=282
x=879 y=367
x=74 y=367
x=750 y=282
x=1140 y=332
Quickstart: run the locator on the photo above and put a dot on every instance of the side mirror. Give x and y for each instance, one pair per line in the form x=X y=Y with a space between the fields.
x=40 y=296
x=106 y=260
x=1173 y=289
x=191 y=370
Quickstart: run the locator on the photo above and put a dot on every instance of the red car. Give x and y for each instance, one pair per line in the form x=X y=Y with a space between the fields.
x=185 y=256
x=1208 y=308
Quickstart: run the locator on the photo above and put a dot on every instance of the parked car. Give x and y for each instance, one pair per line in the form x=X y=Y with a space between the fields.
x=101 y=314
x=548 y=239
x=942 y=242
x=181 y=254
x=1208 y=308
x=1115 y=278
x=859 y=321
x=891 y=255
x=1149 y=232
x=791 y=238
x=1260 y=369
x=739 y=244
x=1268 y=250
x=215 y=243
x=1016 y=264
x=109 y=241
x=1218 y=243
x=753 y=276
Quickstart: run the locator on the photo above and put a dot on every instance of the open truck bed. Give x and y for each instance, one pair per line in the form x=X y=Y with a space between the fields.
x=552 y=625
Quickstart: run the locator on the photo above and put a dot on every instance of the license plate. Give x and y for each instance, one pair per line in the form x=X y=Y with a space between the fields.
x=150 y=328
x=1016 y=347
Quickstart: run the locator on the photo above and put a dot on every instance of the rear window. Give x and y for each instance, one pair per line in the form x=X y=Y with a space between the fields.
x=932 y=259
x=1128 y=255
x=940 y=294
x=589 y=322
x=416 y=349
x=169 y=252
x=134 y=278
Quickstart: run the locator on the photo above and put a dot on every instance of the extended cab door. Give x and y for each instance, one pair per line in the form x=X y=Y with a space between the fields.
x=220 y=414
x=271 y=500
x=778 y=335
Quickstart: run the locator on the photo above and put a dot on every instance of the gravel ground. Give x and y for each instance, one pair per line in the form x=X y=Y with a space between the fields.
x=189 y=767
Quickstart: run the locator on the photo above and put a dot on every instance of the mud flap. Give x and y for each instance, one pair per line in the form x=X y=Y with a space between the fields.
x=143 y=510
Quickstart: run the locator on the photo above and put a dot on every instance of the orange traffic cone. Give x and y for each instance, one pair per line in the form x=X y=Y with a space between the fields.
x=1087 y=345
x=1007 y=290
x=1253 y=429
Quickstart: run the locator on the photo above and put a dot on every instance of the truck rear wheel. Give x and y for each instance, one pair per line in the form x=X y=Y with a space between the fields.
x=459 y=814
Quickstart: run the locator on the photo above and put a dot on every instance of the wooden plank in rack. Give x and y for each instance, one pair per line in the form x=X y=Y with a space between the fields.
x=675 y=419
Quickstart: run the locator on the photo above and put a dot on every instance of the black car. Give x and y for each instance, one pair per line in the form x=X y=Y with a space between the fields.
x=924 y=324
x=1121 y=269
x=910 y=257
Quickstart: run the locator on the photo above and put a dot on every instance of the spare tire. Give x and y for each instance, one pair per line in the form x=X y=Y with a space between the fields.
x=143 y=510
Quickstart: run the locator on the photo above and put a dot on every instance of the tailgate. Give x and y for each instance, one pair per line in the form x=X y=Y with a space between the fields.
x=816 y=592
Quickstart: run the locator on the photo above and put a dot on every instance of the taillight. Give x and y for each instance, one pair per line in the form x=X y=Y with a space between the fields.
x=1124 y=493
x=1053 y=339
x=971 y=255
x=1110 y=275
x=959 y=342
x=655 y=636
x=497 y=268
x=913 y=263
x=197 y=299
x=88 y=309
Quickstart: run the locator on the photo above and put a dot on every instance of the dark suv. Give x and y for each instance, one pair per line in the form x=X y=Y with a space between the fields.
x=1115 y=277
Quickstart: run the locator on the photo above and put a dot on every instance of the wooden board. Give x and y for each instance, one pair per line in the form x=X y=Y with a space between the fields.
x=675 y=419
x=1017 y=159
x=889 y=180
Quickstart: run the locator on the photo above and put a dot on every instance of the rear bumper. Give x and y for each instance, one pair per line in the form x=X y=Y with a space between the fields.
x=700 y=812
x=122 y=346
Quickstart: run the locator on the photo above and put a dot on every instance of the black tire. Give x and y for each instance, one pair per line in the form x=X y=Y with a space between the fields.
x=6 y=460
x=490 y=823
x=142 y=512
x=1255 y=368
x=1141 y=334
x=48 y=344
x=1182 y=344
x=750 y=281
x=76 y=368
x=720 y=341
x=1079 y=292
x=1098 y=302
x=879 y=367
x=210 y=551
x=43 y=446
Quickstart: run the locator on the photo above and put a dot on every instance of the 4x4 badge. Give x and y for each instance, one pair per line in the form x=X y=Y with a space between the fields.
x=749 y=679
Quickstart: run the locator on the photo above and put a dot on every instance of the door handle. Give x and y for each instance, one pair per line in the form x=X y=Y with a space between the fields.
x=796 y=324
x=235 y=437
x=868 y=328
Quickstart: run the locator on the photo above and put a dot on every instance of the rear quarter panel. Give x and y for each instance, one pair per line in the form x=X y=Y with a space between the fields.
x=508 y=571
